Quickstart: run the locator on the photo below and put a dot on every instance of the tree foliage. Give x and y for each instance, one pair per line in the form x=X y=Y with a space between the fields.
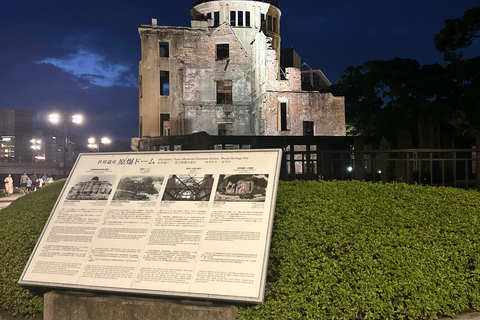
x=383 y=98
x=458 y=34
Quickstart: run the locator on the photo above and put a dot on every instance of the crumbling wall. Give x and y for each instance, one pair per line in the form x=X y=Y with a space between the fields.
x=323 y=109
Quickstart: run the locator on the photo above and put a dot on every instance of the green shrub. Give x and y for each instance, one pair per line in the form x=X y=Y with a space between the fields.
x=20 y=226
x=340 y=250
x=356 y=250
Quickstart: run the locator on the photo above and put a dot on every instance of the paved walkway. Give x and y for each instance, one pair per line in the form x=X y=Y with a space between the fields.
x=5 y=201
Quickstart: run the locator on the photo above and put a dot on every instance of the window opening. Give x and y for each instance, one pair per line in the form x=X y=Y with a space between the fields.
x=240 y=18
x=163 y=49
x=224 y=91
x=269 y=23
x=233 y=16
x=165 y=124
x=225 y=129
x=247 y=18
x=164 y=83
x=262 y=21
x=308 y=128
x=223 y=51
x=283 y=116
x=216 y=18
x=274 y=24
x=209 y=15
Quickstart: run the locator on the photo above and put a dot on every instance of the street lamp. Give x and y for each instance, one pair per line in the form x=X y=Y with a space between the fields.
x=96 y=146
x=92 y=145
x=75 y=118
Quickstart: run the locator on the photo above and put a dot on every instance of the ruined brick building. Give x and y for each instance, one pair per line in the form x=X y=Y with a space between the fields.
x=222 y=76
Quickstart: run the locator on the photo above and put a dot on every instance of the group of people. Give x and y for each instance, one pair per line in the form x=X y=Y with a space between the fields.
x=27 y=183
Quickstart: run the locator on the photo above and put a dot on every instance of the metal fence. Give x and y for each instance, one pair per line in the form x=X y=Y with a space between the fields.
x=437 y=167
x=345 y=158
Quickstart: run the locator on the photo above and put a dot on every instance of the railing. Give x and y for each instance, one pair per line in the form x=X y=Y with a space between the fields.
x=345 y=158
x=438 y=167
x=274 y=2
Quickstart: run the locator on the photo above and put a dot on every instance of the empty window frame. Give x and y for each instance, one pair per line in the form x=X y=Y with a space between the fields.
x=308 y=128
x=164 y=124
x=163 y=50
x=164 y=83
x=240 y=18
x=269 y=23
x=216 y=18
x=233 y=20
x=283 y=117
x=262 y=21
x=247 y=19
x=223 y=51
x=140 y=86
x=225 y=129
x=224 y=91
x=275 y=24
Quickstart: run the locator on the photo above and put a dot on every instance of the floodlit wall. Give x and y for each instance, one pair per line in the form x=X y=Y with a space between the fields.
x=221 y=76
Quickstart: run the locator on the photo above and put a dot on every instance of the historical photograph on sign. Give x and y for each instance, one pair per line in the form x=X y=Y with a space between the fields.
x=138 y=188
x=242 y=187
x=185 y=187
x=91 y=188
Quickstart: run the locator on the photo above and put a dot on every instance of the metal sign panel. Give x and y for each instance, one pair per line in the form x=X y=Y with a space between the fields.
x=186 y=224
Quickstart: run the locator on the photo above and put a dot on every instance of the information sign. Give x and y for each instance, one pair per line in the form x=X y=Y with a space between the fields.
x=185 y=224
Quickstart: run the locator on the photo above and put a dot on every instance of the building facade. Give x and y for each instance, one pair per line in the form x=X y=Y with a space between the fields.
x=15 y=135
x=222 y=76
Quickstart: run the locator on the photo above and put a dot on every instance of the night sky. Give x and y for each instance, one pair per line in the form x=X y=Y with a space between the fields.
x=82 y=56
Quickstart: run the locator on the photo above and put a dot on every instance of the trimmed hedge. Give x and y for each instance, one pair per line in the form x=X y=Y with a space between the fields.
x=340 y=250
x=21 y=224
x=356 y=250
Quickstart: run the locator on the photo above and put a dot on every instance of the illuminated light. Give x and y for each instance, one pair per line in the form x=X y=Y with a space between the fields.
x=77 y=118
x=91 y=140
x=105 y=140
x=350 y=169
x=54 y=118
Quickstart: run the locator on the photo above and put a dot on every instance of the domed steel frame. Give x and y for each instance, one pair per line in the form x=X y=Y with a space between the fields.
x=274 y=2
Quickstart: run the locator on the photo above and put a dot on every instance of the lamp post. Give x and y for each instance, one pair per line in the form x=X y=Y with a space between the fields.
x=75 y=118
x=96 y=146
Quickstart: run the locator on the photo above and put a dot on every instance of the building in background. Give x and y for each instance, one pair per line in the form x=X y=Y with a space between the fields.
x=223 y=76
x=15 y=134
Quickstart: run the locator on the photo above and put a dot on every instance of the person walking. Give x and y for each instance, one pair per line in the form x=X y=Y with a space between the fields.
x=34 y=178
x=23 y=182
x=8 y=184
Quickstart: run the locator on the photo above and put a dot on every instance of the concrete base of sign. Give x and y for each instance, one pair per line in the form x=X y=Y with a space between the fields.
x=81 y=306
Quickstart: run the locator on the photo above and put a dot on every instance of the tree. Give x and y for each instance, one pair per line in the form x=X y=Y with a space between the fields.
x=458 y=33
x=383 y=98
